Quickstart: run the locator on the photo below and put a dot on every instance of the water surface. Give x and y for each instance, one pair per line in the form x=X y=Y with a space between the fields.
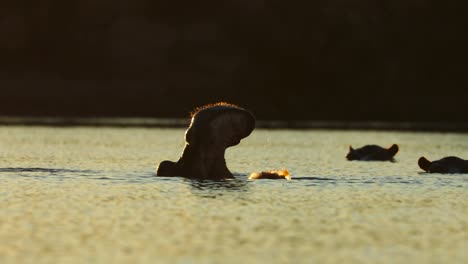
x=89 y=195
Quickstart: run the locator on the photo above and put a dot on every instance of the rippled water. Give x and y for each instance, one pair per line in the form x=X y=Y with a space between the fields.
x=89 y=195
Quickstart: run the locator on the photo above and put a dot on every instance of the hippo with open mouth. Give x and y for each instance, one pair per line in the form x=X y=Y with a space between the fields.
x=213 y=129
x=444 y=165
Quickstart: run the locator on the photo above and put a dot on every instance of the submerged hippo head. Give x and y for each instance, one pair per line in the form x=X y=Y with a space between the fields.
x=372 y=153
x=213 y=129
x=444 y=165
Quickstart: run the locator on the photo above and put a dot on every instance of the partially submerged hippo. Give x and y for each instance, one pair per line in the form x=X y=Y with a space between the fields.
x=372 y=152
x=213 y=129
x=445 y=165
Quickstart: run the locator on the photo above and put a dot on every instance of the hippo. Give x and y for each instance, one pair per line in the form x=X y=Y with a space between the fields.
x=273 y=174
x=212 y=130
x=444 y=165
x=372 y=153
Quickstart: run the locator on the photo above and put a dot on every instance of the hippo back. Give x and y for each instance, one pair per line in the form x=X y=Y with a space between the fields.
x=449 y=165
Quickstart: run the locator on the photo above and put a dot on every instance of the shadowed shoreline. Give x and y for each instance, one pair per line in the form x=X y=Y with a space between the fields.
x=266 y=124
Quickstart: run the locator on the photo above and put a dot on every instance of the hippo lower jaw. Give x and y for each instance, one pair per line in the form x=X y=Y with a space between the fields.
x=205 y=162
x=197 y=162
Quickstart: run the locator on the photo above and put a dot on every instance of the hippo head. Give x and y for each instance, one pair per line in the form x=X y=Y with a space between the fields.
x=213 y=128
x=352 y=155
x=372 y=152
x=424 y=163
x=450 y=164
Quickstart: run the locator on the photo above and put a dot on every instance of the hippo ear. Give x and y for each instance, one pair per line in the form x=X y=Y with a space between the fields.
x=393 y=149
x=351 y=148
x=424 y=163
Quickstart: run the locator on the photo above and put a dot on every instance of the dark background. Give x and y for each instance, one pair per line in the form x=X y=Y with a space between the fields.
x=391 y=60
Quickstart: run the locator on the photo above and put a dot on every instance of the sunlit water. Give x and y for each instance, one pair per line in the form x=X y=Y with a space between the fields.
x=90 y=195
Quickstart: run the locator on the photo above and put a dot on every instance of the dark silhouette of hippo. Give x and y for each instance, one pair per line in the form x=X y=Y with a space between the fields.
x=213 y=129
x=445 y=165
x=372 y=153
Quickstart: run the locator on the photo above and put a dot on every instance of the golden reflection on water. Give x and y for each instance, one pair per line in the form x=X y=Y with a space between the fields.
x=88 y=195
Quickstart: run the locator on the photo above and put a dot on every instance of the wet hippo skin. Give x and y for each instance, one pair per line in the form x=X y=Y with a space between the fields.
x=445 y=165
x=372 y=153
